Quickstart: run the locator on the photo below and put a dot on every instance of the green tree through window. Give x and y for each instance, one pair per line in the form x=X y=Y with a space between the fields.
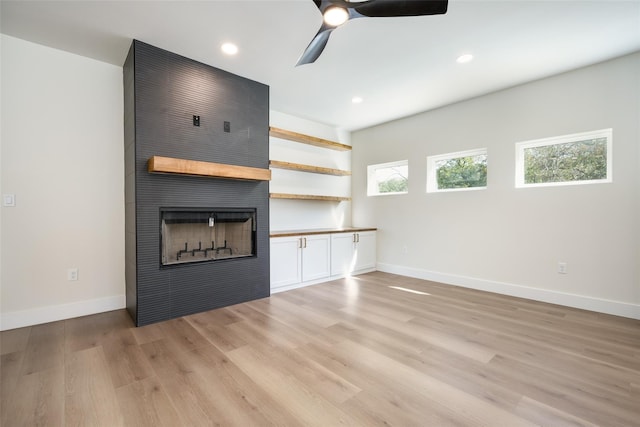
x=395 y=183
x=580 y=158
x=388 y=178
x=572 y=161
x=462 y=172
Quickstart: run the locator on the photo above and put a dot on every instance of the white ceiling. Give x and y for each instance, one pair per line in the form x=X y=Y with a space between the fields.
x=399 y=66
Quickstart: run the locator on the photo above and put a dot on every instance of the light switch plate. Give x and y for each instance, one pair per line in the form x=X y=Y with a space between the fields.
x=8 y=200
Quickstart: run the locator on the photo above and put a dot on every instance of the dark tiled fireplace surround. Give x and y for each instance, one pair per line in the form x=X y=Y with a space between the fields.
x=163 y=91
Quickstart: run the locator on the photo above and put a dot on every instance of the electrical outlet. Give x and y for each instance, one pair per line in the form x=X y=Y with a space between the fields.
x=72 y=274
x=405 y=250
x=562 y=268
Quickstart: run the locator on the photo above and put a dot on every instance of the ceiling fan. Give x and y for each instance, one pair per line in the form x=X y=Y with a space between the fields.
x=337 y=12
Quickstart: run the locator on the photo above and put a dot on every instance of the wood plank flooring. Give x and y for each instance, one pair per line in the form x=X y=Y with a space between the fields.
x=361 y=351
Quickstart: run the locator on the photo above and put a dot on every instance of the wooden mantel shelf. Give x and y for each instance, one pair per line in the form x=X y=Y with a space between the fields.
x=170 y=165
x=306 y=139
x=307 y=168
x=309 y=197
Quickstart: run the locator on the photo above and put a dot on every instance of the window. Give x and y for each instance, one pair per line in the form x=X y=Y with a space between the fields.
x=581 y=158
x=388 y=178
x=464 y=170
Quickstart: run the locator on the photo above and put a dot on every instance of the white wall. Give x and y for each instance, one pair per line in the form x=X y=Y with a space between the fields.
x=505 y=239
x=305 y=214
x=62 y=156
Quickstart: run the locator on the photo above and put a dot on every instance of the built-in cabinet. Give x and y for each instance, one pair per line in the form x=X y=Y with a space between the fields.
x=305 y=259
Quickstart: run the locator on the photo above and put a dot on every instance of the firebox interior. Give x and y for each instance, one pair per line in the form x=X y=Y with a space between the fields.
x=211 y=234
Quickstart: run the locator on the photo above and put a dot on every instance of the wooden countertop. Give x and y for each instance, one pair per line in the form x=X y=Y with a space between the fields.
x=309 y=232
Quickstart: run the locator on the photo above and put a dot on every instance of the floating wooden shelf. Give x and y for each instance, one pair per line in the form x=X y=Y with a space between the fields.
x=307 y=168
x=308 y=197
x=317 y=142
x=306 y=139
x=171 y=165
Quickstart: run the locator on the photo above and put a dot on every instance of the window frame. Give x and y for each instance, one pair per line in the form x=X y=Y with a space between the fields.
x=432 y=170
x=558 y=140
x=372 y=184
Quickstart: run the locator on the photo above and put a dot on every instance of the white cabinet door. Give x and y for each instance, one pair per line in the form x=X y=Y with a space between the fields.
x=286 y=261
x=352 y=252
x=299 y=259
x=342 y=250
x=365 y=256
x=316 y=256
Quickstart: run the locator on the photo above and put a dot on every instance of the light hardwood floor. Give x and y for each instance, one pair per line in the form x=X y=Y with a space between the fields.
x=352 y=352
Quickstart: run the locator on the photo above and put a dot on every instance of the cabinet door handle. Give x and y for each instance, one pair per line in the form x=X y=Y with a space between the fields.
x=354 y=237
x=300 y=242
x=357 y=237
x=305 y=242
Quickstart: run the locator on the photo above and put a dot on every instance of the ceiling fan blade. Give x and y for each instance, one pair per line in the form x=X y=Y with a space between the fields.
x=368 y=8
x=315 y=48
x=391 y=8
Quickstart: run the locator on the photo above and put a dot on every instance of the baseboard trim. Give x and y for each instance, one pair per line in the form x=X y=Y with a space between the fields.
x=53 y=313
x=297 y=285
x=318 y=281
x=599 y=305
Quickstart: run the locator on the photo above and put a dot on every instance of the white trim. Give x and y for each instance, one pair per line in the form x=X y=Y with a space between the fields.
x=557 y=140
x=599 y=305
x=432 y=181
x=53 y=313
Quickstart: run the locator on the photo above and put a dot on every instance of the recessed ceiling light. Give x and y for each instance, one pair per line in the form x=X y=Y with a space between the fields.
x=335 y=16
x=229 y=48
x=464 y=58
x=357 y=100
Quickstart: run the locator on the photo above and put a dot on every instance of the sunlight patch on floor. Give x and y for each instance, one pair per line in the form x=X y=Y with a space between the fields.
x=413 y=291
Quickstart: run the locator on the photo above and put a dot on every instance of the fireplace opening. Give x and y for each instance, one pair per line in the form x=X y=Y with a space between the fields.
x=201 y=235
